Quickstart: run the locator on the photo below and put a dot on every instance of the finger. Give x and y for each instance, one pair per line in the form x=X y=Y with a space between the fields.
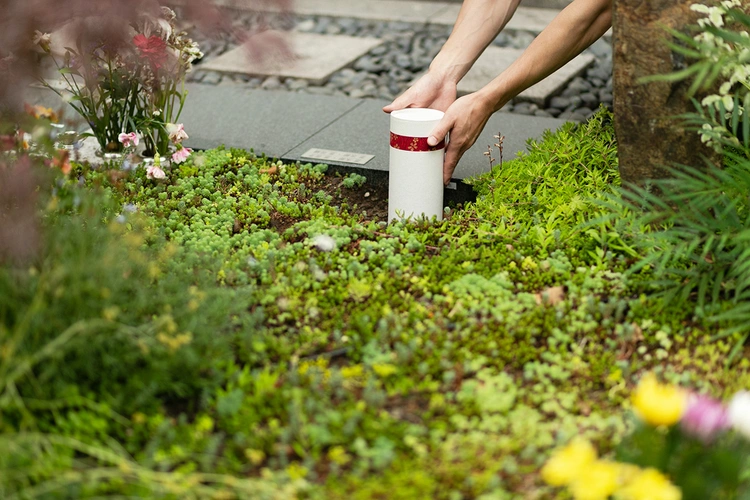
x=440 y=131
x=452 y=155
x=401 y=102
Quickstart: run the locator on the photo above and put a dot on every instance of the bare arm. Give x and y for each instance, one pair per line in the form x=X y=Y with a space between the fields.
x=574 y=29
x=478 y=23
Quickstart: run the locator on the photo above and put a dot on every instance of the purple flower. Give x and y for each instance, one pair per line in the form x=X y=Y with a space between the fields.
x=704 y=417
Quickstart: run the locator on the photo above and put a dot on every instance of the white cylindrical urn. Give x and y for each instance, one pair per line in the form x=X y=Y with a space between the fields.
x=415 y=172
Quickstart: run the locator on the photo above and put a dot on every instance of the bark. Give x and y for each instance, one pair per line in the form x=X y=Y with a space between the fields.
x=649 y=137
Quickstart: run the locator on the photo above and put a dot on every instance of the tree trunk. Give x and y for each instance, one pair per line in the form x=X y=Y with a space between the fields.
x=649 y=137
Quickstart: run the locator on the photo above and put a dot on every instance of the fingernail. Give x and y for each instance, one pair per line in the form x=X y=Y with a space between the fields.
x=431 y=141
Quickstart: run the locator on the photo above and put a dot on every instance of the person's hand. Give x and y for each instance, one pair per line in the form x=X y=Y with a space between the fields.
x=464 y=119
x=430 y=91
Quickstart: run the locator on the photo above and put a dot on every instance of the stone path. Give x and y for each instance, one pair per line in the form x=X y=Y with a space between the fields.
x=494 y=60
x=317 y=57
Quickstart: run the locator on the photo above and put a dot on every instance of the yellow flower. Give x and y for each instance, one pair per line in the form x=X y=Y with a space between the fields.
x=597 y=481
x=658 y=404
x=650 y=485
x=567 y=463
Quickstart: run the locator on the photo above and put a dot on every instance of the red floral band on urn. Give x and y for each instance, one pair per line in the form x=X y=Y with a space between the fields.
x=416 y=144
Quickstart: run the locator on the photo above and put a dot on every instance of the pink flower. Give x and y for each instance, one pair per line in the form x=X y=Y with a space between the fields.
x=704 y=417
x=153 y=48
x=154 y=172
x=176 y=132
x=181 y=154
x=128 y=140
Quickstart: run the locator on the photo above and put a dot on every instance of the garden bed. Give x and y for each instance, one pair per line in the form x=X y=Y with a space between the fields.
x=271 y=340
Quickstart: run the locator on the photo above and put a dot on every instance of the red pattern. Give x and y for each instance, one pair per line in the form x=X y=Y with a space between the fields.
x=416 y=144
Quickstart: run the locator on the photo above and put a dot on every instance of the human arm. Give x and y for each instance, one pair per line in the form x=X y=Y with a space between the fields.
x=575 y=28
x=478 y=23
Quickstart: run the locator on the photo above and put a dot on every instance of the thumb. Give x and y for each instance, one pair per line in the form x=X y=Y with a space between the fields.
x=440 y=131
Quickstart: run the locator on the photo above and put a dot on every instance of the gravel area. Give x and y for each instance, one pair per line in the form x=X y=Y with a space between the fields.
x=406 y=52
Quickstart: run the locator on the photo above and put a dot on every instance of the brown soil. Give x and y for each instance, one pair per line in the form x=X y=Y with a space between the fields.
x=369 y=200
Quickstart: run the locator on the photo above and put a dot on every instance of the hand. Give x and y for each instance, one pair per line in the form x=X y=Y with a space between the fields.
x=430 y=91
x=464 y=119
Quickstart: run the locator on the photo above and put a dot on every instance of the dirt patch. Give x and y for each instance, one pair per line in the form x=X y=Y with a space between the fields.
x=369 y=200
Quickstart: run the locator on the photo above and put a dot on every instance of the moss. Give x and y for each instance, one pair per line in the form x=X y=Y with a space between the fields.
x=437 y=360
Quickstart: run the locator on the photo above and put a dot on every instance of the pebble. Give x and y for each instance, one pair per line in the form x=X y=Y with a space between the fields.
x=297 y=84
x=271 y=83
x=558 y=102
x=590 y=100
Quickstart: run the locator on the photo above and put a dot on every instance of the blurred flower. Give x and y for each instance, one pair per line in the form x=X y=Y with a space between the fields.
x=650 y=484
x=153 y=48
x=739 y=413
x=62 y=161
x=42 y=112
x=567 y=463
x=43 y=40
x=129 y=139
x=704 y=417
x=155 y=172
x=324 y=243
x=596 y=481
x=181 y=154
x=176 y=132
x=7 y=142
x=658 y=404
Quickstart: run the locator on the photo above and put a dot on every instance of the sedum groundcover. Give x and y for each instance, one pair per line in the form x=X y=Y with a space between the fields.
x=231 y=333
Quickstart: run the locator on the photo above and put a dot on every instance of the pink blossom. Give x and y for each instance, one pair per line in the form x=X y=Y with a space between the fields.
x=154 y=172
x=181 y=154
x=128 y=140
x=704 y=417
x=153 y=48
x=176 y=132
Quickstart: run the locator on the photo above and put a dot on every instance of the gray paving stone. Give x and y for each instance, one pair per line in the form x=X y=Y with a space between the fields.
x=317 y=57
x=495 y=60
x=381 y=10
x=525 y=19
x=270 y=122
x=364 y=130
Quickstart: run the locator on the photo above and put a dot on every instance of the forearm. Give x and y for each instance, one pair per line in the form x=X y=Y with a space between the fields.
x=478 y=23
x=575 y=28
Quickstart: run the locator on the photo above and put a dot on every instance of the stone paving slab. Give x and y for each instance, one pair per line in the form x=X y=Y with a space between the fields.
x=270 y=122
x=365 y=128
x=495 y=60
x=413 y=11
x=380 y=10
x=317 y=57
x=529 y=19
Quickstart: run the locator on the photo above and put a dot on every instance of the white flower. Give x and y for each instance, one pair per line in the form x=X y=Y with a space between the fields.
x=739 y=413
x=43 y=40
x=324 y=243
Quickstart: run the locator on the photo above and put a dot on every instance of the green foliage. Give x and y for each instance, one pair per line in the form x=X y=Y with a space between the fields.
x=693 y=228
x=353 y=180
x=699 y=469
x=330 y=356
